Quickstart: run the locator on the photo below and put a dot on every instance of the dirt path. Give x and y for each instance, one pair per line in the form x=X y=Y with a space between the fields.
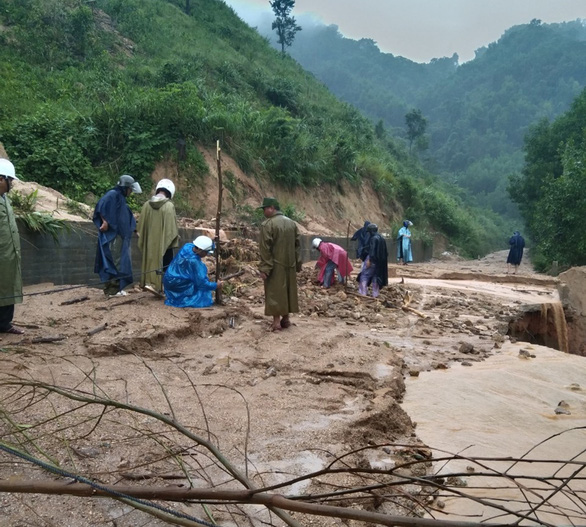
x=276 y=404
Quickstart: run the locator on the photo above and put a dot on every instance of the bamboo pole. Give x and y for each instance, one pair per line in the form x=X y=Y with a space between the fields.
x=218 y=217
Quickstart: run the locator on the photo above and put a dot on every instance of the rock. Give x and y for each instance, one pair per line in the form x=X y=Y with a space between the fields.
x=414 y=373
x=439 y=366
x=271 y=372
x=86 y=451
x=524 y=354
x=466 y=348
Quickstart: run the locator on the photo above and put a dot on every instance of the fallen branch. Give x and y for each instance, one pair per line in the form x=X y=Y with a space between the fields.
x=40 y=340
x=75 y=301
x=97 y=329
x=411 y=310
x=234 y=496
x=233 y=275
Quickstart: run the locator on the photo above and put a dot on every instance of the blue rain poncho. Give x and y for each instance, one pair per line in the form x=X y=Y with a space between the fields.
x=186 y=281
x=121 y=223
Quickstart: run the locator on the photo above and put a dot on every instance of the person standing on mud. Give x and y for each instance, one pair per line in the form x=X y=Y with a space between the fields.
x=404 y=243
x=157 y=236
x=375 y=269
x=10 y=277
x=361 y=236
x=517 y=243
x=115 y=223
x=280 y=260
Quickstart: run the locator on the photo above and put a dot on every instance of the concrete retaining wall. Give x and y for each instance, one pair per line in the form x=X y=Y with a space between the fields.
x=71 y=261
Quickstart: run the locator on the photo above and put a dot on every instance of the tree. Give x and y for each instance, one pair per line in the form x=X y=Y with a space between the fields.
x=416 y=127
x=284 y=23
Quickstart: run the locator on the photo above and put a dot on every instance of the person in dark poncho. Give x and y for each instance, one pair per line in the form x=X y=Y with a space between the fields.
x=116 y=225
x=517 y=244
x=375 y=269
x=362 y=236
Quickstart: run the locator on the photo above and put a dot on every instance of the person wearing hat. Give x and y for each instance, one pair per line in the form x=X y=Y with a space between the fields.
x=375 y=270
x=10 y=277
x=404 y=244
x=116 y=224
x=157 y=235
x=280 y=260
x=332 y=258
x=186 y=280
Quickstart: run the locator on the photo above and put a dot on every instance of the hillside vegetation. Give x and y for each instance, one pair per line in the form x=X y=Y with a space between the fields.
x=90 y=91
x=477 y=113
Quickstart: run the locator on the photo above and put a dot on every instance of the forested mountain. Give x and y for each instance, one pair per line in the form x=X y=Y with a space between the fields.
x=90 y=90
x=477 y=113
x=551 y=191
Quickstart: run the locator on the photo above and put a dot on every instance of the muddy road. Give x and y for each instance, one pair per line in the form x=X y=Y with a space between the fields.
x=277 y=405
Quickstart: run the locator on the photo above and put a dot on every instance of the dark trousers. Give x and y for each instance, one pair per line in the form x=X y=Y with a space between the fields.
x=6 y=316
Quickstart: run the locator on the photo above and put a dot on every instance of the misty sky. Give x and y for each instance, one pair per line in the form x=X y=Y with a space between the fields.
x=424 y=29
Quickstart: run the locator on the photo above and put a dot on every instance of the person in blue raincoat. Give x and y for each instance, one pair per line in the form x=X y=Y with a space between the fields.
x=517 y=243
x=186 y=279
x=116 y=224
x=404 y=243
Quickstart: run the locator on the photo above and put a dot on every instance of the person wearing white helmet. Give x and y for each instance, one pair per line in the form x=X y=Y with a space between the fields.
x=116 y=224
x=332 y=258
x=10 y=277
x=157 y=235
x=186 y=280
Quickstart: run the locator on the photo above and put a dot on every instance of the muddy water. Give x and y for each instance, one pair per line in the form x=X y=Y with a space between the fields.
x=502 y=407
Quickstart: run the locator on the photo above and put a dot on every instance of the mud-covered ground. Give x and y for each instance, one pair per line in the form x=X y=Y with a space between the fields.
x=276 y=404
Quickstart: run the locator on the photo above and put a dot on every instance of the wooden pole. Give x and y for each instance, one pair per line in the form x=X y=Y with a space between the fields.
x=218 y=217
x=347 y=252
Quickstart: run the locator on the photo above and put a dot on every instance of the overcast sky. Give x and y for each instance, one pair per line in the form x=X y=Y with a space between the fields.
x=424 y=29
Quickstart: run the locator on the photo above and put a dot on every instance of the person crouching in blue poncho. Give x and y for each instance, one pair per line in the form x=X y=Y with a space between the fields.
x=186 y=279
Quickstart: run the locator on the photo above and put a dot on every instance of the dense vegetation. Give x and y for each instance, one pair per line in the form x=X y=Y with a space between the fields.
x=477 y=112
x=551 y=190
x=92 y=90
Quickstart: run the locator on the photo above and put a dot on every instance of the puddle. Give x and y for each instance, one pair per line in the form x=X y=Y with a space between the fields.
x=503 y=407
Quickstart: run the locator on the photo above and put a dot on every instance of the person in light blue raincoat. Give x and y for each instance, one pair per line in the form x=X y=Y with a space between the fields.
x=404 y=243
x=186 y=279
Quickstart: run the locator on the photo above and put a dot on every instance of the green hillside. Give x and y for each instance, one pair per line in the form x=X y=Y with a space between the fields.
x=90 y=90
x=478 y=113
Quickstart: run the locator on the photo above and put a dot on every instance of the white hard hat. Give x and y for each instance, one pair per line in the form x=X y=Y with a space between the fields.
x=204 y=243
x=128 y=182
x=166 y=184
x=315 y=243
x=7 y=169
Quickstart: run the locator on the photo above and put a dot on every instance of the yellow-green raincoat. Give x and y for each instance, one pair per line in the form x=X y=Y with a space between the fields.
x=280 y=259
x=157 y=232
x=10 y=277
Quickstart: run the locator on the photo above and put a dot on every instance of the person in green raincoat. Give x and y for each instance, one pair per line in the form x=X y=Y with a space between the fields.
x=157 y=235
x=280 y=260
x=10 y=277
